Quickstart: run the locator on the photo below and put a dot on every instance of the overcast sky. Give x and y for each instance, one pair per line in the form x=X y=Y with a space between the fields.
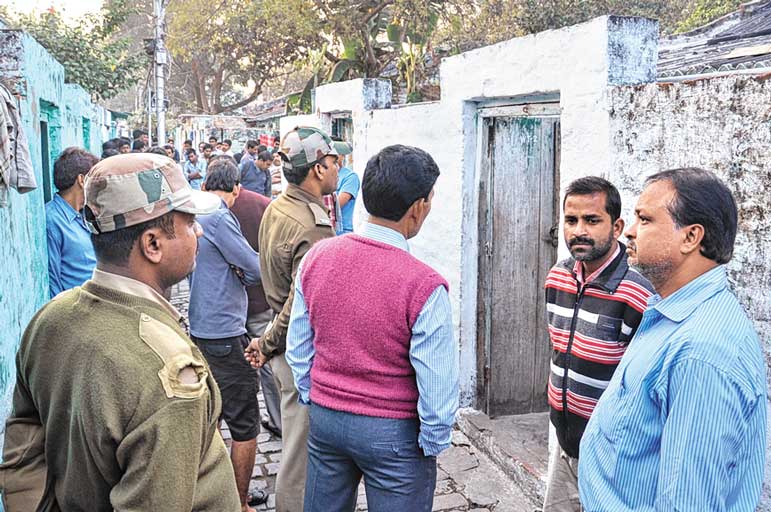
x=69 y=8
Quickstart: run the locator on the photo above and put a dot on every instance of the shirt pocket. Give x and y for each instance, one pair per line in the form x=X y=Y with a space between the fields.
x=612 y=413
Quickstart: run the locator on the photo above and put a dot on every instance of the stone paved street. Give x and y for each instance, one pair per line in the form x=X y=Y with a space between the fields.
x=466 y=479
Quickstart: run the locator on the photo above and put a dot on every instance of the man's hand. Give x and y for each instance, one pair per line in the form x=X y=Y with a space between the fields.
x=252 y=354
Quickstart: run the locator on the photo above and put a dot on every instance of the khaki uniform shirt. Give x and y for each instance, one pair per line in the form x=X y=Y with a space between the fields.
x=112 y=399
x=292 y=224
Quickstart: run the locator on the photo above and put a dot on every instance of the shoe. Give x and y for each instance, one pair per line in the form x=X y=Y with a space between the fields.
x=256 y=498
x=270 y=427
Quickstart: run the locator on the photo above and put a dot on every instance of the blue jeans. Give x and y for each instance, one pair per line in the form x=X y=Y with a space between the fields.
x=343 y=447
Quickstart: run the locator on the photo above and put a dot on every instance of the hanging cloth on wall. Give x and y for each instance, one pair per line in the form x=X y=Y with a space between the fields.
x=16 y=169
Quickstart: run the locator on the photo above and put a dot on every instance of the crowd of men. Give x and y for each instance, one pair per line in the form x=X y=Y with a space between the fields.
x=657 y=386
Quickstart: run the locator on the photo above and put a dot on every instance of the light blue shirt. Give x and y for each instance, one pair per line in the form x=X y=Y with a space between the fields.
x=682 y=424
x=433 y=354
x=190 y=168
x=71 y=258
x=348 y=181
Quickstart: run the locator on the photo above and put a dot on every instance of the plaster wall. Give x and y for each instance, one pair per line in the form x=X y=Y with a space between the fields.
x=37 y=78
x=721 y=124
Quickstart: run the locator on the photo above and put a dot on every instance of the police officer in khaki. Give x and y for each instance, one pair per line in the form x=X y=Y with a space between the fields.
x=291 y=225
x=114 y=408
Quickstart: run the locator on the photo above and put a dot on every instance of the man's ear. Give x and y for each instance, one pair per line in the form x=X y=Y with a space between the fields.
x=81 y=179
x=618 y=227
x=151 y=244
x=693 y=235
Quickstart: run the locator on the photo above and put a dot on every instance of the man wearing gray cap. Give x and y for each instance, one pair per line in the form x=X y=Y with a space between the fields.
x=291 y=225
x=114 y=408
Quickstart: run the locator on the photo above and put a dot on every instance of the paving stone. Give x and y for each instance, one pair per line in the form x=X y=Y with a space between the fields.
x=269 y=447
x=275 y=457
x=457 y=459
x=259 y=459
x=449 y=502
x=263 y=438
x=272 y=468
x=258 y=484
x=444 y=487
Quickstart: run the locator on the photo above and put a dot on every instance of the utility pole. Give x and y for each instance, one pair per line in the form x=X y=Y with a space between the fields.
x=159 y=64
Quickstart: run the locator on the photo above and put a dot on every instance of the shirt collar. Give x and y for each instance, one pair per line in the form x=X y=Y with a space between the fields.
x=133 y=287
x=678 y=306
x=66 y=208
x=578 y=269
x=385 y=235
x=295 y=192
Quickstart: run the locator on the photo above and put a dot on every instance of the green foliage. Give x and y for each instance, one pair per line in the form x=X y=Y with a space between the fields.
x=89 y=51
x=705 y=11
x=234 y=45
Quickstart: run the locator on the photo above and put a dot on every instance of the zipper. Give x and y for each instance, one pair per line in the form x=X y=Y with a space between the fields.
x=567 y=358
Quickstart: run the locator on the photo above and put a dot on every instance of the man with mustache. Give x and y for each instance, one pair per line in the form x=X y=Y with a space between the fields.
x=682 y=424
x=594 y=304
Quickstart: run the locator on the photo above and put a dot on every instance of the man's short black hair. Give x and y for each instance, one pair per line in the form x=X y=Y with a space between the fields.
x=265 y=156
x=138 y=133
x=213 y=138
x=228 y=142
x=107 y=153
x=190 y=150
x=261 y=148
x=115 y=246
x=589 y=185
x=72 y=162
x=138 y=145
x=252 y=144
x=188 y=142
x=208 y=146
x=222 y=174
x=395 y=178
x=702 y=198
x=109 y=144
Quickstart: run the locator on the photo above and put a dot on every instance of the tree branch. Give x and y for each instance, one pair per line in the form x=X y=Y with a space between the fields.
x=252 y=96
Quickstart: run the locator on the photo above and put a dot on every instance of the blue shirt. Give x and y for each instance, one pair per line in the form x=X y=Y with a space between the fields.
x=682 y=424
x=255 y=179
x=433 y=354
x=190 y=168
x=71 y=258
x=226 y=264
x=348 y=181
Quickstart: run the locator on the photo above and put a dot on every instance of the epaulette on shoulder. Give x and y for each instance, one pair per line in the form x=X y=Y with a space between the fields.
x=320 y=215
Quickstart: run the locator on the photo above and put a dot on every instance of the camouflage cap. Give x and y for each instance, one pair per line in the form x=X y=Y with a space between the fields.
x=125 y=190
x=305 y=145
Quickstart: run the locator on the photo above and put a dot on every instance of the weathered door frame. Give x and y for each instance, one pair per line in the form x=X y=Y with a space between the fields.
x=547 y=108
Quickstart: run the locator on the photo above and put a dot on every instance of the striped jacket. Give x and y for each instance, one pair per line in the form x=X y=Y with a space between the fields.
x=590 y=327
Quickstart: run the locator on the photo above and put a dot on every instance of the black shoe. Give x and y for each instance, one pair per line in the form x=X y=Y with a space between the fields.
x=256 y=498
x=270 y=427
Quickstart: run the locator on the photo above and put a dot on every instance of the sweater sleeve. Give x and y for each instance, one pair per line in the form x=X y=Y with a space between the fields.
x=237 y=251
x=167 y=448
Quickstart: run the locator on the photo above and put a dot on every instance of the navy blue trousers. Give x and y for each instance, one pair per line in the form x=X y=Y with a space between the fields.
x=344 y=447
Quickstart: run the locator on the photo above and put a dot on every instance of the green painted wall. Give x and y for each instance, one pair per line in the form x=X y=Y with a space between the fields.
x=68 y=116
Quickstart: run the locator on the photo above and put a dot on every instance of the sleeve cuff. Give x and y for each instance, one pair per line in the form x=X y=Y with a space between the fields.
x=431 y=449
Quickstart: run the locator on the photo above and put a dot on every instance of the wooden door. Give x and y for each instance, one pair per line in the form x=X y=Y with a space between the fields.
x=519 y=212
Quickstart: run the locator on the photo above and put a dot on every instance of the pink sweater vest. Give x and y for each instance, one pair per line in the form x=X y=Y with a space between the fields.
x=363 y=298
